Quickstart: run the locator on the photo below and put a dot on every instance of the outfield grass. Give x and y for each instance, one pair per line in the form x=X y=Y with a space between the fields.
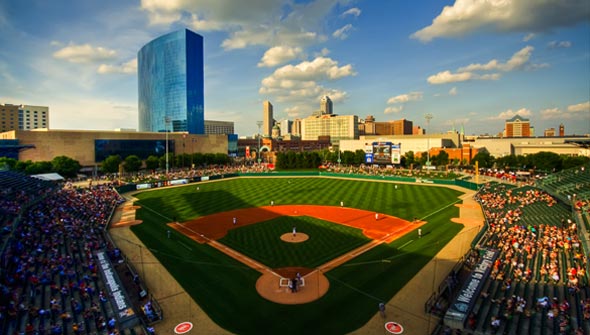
x=262 y=243
x=225 y=288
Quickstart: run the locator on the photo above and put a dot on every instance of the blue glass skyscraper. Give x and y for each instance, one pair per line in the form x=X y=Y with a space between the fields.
x=171 y=89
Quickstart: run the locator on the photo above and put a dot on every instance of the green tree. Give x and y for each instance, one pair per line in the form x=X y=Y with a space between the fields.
x=546 y=161
x=132 y=163
x=359 y=156
x=442 y=158
x=65 y=166
x=111 y=164
x=38 y=167
x=152 y=162
x=7 y=163
x=568 y=162
x=409 y=159
x=22 y=165
x=484 y=159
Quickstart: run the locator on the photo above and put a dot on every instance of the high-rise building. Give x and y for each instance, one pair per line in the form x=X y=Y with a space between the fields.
x=33 y=117
x=23 y=117
x=8 y=117
x=518 y=127
x=267 y=121
x=397 y=127
x=171 y=86
x=285 y=126
x=326 y=105
x=343 y=127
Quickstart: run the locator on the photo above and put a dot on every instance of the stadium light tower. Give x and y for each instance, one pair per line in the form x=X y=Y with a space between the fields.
x=166 y=120
x=428 y=117
x=259 y=124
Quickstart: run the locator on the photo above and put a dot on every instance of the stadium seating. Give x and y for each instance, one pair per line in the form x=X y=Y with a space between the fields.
x=539 y=283
x=49 y=279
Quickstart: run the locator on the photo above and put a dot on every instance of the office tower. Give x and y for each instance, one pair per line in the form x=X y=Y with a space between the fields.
x=33 y=117
x=268 y=121
x=518 y=127
x=8 y=117
x=170 y=79
x=326 y=105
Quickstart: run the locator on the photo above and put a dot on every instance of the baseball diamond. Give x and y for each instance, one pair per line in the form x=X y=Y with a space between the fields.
x=359 y=261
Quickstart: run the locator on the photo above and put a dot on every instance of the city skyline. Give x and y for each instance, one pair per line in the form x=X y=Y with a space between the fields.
x=468 y=63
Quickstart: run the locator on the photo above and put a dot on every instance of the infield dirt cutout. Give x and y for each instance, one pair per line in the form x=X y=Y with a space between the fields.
x=209 y=229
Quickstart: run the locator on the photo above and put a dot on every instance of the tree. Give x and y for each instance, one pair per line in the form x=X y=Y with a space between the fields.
x=484 y=159
x=7 y=163
x=22 y=165
x=152 y=162
x=38 y=167
x=442 y=158
x=111 y=164
x=132 y=163
x=546 y=161
x=409 y=159
x=359 y=156
x=65 y=166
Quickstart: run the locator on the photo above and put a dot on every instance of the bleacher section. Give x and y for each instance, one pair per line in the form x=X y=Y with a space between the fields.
x=567 y=183
x=50 y=278
x=539 y=282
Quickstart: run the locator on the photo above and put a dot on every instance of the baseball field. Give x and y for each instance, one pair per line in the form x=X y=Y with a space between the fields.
x=361 y=237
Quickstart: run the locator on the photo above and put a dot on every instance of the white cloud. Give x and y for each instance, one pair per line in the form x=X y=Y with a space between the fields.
x=299 y=83
x=517 y=61
x=279 y=55
x=322 y=53
x=294 y=111
x=579 y=108
x=403 y=98
x=393 y=109
x=84 y=53
x=524 y=112
x=559 y=44
x=321 y=68
x=468 y=16
x=448 y=77
x=552 y=113
x=342 y=33
x=528 y=37
x=264 y=35
x=129 y=67
x=453 y=91
x=356 y=12
x=248 y=23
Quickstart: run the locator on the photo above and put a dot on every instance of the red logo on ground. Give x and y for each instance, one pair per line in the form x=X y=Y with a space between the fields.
x=183 y=328
x=394 y=327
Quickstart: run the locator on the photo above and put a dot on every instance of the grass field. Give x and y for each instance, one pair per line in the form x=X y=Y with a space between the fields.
x=327 y=241
x=225 y=288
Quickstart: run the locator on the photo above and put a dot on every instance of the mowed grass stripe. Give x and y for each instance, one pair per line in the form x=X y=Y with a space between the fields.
x=407 y=201
x=327 y=241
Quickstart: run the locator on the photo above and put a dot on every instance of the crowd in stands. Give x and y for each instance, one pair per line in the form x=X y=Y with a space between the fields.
x=539 y=283
x=49 y=276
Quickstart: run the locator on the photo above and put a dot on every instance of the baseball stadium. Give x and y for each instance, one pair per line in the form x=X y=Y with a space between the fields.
x=233 y=252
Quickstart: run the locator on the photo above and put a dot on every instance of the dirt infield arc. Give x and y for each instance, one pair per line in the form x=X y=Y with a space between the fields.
x=378 y=227
x=216 y=226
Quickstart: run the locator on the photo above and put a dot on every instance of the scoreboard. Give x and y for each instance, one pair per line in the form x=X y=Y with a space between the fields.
x=383 y=153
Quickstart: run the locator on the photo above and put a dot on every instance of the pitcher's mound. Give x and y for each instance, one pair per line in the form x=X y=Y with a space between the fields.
x=299 y=237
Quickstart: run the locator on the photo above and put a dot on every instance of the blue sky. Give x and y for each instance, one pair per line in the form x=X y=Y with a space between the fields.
x=470 y=63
